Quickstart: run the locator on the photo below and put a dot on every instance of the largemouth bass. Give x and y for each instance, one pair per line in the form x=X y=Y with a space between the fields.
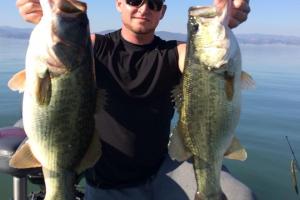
x=59 y=98
x=208 y=99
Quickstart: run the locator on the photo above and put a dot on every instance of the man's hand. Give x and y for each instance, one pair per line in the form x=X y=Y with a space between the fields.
x=239 y=12
x=30 y=10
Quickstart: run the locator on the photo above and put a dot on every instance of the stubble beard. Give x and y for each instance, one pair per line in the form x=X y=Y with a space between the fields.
x=140 y=30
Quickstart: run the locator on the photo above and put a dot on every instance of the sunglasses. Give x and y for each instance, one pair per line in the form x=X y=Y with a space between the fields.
x=155 y=5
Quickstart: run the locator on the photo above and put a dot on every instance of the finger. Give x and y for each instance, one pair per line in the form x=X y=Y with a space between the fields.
x=241 y=16
x=247 y=1
x=31 y=12
x=220 y=4
x=239 y=12
x=30 y=7
x=242 y=5
x=33 y=17
x=20 y=3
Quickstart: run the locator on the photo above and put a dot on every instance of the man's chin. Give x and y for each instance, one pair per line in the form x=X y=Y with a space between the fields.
x=140 y=29
x=143 y=31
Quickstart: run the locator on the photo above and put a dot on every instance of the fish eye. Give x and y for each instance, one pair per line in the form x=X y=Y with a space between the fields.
x=195 y=27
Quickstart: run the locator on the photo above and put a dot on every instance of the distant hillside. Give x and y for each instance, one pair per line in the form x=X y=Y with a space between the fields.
x=268 y=39
x=162 y=34
x=12 y=32
x=257 y=39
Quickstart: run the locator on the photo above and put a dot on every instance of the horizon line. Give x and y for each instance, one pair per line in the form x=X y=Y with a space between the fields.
x=159 y=30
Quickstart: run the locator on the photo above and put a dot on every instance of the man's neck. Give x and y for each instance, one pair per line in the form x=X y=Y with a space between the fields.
x=135 y=38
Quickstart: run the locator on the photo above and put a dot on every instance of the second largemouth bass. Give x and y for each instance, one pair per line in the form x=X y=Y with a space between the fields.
x=209 y=99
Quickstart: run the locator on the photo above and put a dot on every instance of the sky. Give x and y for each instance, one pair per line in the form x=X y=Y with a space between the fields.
x=280 y=17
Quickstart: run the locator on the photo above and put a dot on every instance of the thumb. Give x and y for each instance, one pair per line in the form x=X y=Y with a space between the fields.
x=220 y=4
x=224 y=9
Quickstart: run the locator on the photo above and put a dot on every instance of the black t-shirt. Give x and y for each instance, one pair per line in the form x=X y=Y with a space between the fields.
x=137 y=80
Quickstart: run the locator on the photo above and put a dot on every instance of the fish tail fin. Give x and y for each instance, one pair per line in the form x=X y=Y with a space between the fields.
x=17 y=82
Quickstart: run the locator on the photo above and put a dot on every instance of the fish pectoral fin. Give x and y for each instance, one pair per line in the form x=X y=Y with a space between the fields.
x=17 y=82
x=91 y=156
x=176 y=147
x=43 y=89
x=236 y=151
x=229 y=86
x=23 y=158
x=247 y=81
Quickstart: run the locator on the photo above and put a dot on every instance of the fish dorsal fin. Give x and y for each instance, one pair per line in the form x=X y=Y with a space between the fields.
x=23 y=158
x=17 y=82
x=247 y=81
x=43 y=89
x=236 y=151
x=91 y=156
x=177 y=96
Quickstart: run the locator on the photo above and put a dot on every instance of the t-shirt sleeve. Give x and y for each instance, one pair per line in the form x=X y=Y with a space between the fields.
x=99 y=45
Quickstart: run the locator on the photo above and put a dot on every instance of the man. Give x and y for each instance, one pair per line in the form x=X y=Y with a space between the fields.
x=138 y=70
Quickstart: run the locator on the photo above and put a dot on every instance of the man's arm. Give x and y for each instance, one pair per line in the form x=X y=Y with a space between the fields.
x=239 y=14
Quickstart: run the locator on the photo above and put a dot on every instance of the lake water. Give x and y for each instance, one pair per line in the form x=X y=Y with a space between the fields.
x=270 y=112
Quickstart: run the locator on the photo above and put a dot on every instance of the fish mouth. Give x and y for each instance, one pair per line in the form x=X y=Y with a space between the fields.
x=203 y=11
x=54 y=65
x=70 y=7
